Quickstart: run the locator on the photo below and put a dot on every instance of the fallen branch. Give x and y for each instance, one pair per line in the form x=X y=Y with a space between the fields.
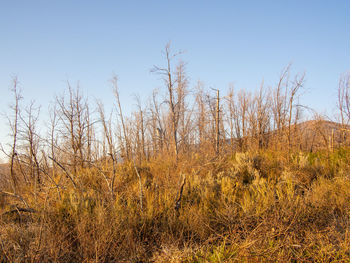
x=16 y=196
x=20 y=209
x=178 y=201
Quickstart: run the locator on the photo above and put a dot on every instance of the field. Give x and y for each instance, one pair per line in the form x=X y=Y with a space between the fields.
x=245 y=207
x=187 y=177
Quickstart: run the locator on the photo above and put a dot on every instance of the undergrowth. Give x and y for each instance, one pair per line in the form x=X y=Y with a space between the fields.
x=246 y=207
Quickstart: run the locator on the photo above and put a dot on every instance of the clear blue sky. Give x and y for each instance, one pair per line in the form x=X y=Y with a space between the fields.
x=45 y=43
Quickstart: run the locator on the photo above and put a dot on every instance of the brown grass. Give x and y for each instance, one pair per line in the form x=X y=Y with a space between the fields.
x=249 y=207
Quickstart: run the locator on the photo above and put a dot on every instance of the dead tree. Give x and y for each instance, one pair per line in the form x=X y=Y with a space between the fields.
x=217 y=122
x=183 y=117
x=31 y=139
x=294 y=109
x=201 y=116
x=140 y=130
x=237 y=106
x=126 y=143
x=157 y=128
x=13 y=123
x=108 y=136
x=175 y=95
x=73 y=118
x=52 y=139
x=285 y=109
x=243 y=101
x=261 y=118
x=343 y=104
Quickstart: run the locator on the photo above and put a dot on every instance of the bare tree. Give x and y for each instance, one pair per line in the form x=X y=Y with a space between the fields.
x=53 y=139
x=126 y=143
x=217 y=122
x=343 y=104
x=243 y=109
x=202 y=114
x=74 y=120
x=13 y=123
x=140 y=130
x=231 y=108
x=285 y=107
x=30 y=136
x=108 y=135
x=279 y=100
x=175 y=96
x=262 y=117
x=157 y=128
x=294 y=109
x=183 y=113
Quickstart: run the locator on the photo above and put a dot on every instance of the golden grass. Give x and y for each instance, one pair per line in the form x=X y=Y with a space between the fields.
x=249 y=207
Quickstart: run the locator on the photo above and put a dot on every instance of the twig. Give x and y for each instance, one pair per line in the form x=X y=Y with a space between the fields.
x=16 y=196
x=3 y=250
x=65 y=171
x=140 y=184
x=20 y=209
x=110 y=187
x=178 y=201
x=48 y=175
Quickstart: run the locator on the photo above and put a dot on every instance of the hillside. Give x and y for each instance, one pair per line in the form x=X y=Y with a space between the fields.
x=308 y=136
x=162 y=184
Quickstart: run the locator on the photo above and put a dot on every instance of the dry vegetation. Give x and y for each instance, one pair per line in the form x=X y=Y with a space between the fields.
x=186 y=178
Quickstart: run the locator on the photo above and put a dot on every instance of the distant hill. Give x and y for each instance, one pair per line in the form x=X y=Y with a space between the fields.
x=310 y=135
x=317 y=134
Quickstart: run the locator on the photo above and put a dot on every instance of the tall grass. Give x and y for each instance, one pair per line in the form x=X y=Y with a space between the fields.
x=245 y=207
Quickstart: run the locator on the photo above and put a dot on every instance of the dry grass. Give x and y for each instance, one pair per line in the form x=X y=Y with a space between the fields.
x=250 y=207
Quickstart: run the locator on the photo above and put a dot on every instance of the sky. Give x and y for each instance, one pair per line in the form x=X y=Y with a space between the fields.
x=47 y=43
